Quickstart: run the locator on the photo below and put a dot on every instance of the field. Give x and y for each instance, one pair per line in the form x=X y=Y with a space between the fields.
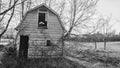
x=96 y=57
x=112 y=47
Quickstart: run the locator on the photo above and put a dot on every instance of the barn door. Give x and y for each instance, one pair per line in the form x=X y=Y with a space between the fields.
x=23 y=48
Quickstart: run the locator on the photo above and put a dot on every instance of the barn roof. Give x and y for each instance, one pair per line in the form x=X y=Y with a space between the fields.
x=50 y=9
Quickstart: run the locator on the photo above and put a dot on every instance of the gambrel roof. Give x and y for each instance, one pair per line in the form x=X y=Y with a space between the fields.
x=37 y=7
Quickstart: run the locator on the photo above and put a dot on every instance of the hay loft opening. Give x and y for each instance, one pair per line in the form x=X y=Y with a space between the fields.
x=42 y=23
x=42 y=17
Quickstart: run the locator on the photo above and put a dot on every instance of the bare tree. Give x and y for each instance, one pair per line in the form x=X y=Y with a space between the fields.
x=24 y=9
x=106 y=29
x=80 y=12
x=11 y=7
x=96 y=29
x=11 y=15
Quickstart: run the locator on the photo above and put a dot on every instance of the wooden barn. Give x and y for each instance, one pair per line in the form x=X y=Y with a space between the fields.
x=40 y=33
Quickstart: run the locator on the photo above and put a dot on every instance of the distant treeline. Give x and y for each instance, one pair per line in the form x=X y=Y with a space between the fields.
x=94 y=38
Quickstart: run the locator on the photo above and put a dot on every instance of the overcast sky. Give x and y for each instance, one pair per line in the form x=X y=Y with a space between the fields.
x=107 y=7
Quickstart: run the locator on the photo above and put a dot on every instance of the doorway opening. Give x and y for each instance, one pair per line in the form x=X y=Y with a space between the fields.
x=23 y=48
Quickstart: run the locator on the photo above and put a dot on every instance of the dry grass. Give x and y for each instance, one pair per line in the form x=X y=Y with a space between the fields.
x=83 y=52
x=74 y=50
x=52 y=63
x=61 y=62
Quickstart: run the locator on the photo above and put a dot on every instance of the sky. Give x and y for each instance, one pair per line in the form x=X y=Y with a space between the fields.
x=111 y=7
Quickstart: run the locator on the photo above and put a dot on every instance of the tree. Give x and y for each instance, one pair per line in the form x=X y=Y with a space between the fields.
x=106 y=29
x=96 y=28
x=4 y=12
x=9 y=8
x=80 y=12
x=24 y=8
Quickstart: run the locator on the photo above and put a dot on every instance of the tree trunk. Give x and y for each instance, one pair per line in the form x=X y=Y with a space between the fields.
x=95 y=45
x=105 y=44
x=0 y=5
x=15 y=40
x=67 y=35
x=22 y=6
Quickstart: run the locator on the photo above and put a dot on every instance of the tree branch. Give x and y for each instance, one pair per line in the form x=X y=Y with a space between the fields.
x=8 y=21
x=5 y=11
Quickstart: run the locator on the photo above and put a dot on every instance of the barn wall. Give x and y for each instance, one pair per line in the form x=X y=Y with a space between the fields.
x=38 y=36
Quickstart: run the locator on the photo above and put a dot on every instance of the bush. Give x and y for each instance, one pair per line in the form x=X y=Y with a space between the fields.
x=9 y=58
x=11 y=51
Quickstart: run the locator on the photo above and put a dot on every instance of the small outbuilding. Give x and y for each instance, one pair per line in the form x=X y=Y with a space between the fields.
x=40 y=33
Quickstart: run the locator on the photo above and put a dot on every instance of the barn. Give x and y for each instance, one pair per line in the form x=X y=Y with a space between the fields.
x=40 y=33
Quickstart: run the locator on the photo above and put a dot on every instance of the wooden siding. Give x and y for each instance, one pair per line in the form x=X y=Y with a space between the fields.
x=53 y=32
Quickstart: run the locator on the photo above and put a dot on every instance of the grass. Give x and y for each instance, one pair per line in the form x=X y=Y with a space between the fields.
x=52 y=63
x=114 y=47
x=41 y=63
x=85 y=51
x=10 y=61
x=81 y=51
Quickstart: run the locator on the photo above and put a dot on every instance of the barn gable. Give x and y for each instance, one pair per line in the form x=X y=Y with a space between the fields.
x=43 y=7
